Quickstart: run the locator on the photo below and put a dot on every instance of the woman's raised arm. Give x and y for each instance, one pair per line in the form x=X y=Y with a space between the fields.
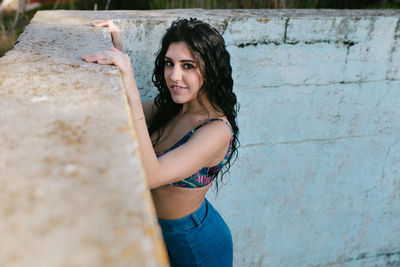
x=123 y=62
x=115 y=32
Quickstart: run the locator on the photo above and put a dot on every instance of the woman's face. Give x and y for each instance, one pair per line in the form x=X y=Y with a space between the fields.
x=181 y=73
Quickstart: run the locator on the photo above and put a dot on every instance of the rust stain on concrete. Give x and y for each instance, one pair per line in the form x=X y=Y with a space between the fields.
x=262 y=20
x=124 y=128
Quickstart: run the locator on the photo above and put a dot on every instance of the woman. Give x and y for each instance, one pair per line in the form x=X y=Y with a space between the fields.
x=185 y=136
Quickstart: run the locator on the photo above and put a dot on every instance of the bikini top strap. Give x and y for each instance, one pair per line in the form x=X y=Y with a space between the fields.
x=211 y=120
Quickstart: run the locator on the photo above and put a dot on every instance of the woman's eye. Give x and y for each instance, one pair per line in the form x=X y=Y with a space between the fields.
x=168 y=63
x=188 y=66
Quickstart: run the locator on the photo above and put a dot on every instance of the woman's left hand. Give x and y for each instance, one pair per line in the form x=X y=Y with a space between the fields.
x=111 y=57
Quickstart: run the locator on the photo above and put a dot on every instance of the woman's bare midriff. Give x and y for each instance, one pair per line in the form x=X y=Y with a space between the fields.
x=173 y=202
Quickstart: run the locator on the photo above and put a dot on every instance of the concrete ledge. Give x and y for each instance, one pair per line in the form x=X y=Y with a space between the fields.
x=72 y=188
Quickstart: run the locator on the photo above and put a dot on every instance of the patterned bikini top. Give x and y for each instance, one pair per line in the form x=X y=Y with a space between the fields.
x=207 y=174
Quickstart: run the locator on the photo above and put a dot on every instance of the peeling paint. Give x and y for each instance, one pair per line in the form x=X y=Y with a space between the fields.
x=336 y=43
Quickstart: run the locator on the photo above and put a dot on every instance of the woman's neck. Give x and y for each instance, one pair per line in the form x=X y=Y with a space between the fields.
x=195 y=107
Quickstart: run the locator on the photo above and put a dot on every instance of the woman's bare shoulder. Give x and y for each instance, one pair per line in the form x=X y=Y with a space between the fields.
x=217 y=129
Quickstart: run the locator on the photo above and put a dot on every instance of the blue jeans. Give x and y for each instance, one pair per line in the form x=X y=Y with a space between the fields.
x=199 y=239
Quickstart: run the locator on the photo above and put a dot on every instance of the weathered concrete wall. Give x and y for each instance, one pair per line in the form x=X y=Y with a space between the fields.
x=72 y=191
x=317 y=180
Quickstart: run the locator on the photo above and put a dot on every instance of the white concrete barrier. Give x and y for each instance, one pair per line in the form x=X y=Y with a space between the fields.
x=72 y=189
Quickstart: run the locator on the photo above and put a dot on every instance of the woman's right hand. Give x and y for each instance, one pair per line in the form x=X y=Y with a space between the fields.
x=115 y=32
x=123 y=62
x=111 y=57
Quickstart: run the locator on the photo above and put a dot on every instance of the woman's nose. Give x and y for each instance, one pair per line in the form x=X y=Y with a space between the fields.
x=176 y=74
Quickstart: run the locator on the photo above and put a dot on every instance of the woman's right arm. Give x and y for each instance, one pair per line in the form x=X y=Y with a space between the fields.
x=148 y=107
x=115 y=32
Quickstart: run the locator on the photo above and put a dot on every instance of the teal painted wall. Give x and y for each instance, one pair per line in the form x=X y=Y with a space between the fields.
x=317 y=180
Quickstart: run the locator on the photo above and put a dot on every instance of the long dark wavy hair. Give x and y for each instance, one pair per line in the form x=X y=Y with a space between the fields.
x=208 y=49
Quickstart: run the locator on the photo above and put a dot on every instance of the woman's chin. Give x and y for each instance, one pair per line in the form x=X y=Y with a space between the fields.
x=182 y=98
x=178 y=100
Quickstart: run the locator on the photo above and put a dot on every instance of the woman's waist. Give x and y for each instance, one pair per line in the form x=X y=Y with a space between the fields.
x=173 y=203
x=192 y=219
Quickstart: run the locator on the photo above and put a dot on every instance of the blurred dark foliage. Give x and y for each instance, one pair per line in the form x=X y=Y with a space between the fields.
x=114 y=4
x=220 y=4
x=343 y=4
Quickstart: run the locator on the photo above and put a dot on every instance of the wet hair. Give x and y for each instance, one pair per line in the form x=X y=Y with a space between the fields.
x=209 y=51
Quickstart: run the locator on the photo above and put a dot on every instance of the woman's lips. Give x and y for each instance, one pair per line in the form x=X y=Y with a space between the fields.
x=177 y=88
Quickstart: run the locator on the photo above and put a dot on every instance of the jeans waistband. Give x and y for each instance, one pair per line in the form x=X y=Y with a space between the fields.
x=193 y=219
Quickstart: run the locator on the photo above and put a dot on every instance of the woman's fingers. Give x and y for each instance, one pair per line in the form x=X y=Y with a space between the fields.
x=98 y=57
x=104 y=61
x=89 y=58
x=99 y=60
x=104 y=23
x=92 y=57
x=112 y=56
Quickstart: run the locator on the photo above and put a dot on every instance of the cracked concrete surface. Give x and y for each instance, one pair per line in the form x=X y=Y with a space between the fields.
x=389 y=149
x=312 y=140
